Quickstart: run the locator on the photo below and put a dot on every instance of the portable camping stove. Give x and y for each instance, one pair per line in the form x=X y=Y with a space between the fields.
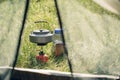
x=42 y=56
x=41 y=38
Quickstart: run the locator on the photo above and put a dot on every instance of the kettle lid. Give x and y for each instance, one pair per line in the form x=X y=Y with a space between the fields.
x=41 y=31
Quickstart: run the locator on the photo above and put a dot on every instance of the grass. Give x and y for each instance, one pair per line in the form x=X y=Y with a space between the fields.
x=96 y=8
x=40 y=10
x=92 y=37
x=8 y=36
x=87 y=61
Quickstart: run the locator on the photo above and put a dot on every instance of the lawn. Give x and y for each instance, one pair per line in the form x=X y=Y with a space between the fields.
x=92 y=35
x=40 y=10
x=90 y=53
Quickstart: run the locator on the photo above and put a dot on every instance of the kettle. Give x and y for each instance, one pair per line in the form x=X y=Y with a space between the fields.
x=41 y=37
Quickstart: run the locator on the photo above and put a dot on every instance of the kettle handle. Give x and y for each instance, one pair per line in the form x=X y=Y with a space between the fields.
x=43 y=23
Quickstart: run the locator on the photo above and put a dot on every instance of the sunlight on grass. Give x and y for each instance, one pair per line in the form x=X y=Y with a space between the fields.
x=10 y=23
x=41 y=10
x=92 y=37
x=91 y=33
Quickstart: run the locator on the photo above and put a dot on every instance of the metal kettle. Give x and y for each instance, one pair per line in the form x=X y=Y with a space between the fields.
x=41 y=37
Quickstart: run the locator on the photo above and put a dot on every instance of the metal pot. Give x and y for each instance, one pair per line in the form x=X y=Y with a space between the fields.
x=41 y=37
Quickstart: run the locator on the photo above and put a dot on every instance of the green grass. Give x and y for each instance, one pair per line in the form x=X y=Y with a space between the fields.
x=41 y=10
x=45 y=10
x=92 y=37
x=92 y=6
